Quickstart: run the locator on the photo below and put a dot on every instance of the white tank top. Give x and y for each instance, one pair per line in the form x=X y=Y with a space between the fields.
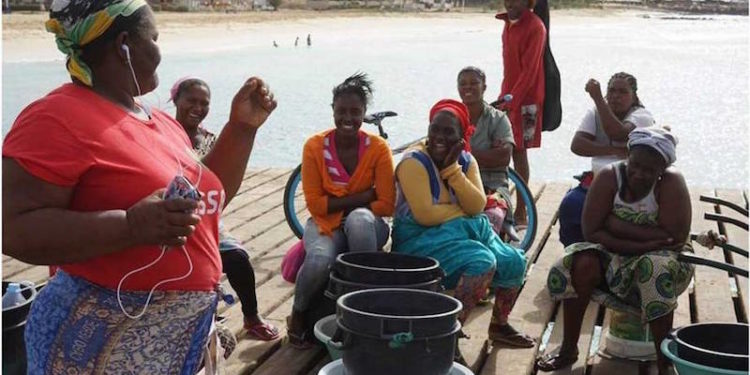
x=643 y=211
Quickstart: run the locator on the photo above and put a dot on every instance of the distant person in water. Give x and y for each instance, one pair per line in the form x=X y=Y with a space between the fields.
x=296 y=41
x=274 y=44
x=192 y=97
x=309 y=41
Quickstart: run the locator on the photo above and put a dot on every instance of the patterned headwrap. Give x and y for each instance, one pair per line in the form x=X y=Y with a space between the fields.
x=459 y=110
x=659 y=139
x=76 y=23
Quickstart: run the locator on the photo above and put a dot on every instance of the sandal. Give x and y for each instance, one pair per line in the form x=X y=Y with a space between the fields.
x=508 y=335
x=298 y=340
x=263 y=331
x=552 y=362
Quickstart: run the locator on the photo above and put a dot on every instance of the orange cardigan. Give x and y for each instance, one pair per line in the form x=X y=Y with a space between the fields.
x=374 y=169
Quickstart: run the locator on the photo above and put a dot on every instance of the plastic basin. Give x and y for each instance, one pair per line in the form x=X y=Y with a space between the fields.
x=324 y=330
x=683 y=367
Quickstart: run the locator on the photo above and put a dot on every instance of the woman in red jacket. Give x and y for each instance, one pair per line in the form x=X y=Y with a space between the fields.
x=524 y=38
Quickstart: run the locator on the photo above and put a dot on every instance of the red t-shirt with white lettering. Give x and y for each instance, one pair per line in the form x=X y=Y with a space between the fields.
x=76 y=138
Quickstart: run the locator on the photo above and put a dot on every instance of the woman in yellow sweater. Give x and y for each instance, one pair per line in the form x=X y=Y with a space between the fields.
x=347 y=178
x=439 y=214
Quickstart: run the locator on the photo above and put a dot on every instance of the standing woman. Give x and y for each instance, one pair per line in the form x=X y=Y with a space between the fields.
x=87 y=166
x=524 y=40
x=438 y=212
x=347 y=178
x=192 y=98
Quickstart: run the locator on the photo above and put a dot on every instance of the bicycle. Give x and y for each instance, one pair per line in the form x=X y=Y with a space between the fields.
x=294 y=204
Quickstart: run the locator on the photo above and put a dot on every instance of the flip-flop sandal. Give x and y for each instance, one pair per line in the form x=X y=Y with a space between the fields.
x=263 y=331
x=552 y=362
x=512 y=338
x=518 y=340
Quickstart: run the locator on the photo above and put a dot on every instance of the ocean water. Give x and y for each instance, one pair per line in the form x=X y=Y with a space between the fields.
x=692 y=74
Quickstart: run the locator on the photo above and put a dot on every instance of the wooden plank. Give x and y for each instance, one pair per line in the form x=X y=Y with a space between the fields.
x=274 y=358
x=534 y=307
x=13 y=267
x=289 y=360
x=737 y=237
x=35 y=274
x=272 y=181
x=682 y=312
x=476 y=348
x=712 y=295
x=584 y=341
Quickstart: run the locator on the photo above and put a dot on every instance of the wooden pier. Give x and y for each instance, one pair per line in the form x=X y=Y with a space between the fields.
x=256 y=218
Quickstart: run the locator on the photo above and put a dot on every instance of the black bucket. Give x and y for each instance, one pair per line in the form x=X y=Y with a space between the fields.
x=338 y=287
x=14 y=324
x=397 y=331
x=720 y=345
x=379 y=268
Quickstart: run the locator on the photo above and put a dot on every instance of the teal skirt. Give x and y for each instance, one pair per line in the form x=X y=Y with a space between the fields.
x=463 y=246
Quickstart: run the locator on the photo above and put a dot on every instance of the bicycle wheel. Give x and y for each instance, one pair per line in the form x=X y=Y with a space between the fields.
x=528 y=200
x=294 y=202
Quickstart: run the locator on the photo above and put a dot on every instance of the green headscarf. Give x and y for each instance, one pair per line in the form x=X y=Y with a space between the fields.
x=76 y=23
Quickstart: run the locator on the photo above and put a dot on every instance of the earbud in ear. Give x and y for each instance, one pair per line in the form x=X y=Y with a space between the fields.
x=126 y=50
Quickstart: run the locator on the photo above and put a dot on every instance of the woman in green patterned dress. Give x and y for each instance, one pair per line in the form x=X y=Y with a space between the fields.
x=636 y=220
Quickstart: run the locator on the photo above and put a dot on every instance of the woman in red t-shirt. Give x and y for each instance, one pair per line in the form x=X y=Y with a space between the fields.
x=84 y=176
x=524 y=39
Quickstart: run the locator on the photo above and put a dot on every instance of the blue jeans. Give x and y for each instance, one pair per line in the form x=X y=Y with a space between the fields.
x=361 y=231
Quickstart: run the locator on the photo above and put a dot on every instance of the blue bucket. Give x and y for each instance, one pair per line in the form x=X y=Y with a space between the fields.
x=683 y=367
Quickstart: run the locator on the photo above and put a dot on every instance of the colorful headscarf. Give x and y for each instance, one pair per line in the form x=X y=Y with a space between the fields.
x=659 y=139
x=76 y=23
x=459 y=110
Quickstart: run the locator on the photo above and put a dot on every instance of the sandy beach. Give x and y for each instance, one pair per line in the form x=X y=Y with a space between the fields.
x=24 y=37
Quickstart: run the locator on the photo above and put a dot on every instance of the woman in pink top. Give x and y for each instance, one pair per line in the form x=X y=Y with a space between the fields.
x=84 y=176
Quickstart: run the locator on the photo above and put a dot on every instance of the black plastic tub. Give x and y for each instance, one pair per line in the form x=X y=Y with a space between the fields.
x=387 y=268
x=14 y=324
x=720 y=345
x=338 y=287
x=397 y=331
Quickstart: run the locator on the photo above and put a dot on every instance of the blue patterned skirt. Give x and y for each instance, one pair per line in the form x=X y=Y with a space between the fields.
x=76 y=327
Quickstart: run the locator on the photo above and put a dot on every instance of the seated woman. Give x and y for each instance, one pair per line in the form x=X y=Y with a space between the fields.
x=492 y=146
x=602 y=136
x=192 y=97
x=636 y=220
x=347 y=179
x=438 y=214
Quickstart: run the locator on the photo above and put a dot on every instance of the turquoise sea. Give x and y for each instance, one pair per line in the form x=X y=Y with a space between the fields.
x=692 y=74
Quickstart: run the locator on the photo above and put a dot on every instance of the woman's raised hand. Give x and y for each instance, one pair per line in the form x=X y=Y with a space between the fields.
x=252 y=104
x=155 y=221
x=593 y=88
x=453 y=154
